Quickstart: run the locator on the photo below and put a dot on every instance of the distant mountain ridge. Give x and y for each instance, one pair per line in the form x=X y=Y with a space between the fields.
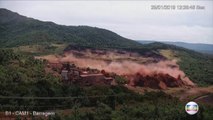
x=16 y=30
x=199 y=47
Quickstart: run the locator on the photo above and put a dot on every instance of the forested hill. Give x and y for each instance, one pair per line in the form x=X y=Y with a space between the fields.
x=16 y=30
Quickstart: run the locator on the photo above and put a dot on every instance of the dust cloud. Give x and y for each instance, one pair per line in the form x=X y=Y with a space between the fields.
x=124 y=67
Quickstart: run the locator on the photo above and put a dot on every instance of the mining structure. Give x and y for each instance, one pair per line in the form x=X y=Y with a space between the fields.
x=71 y=74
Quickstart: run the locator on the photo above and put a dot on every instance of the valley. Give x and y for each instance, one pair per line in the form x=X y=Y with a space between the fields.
x=139 y=73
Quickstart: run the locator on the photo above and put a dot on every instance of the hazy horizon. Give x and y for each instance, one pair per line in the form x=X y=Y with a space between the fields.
x=134 y=20
x=175 y=41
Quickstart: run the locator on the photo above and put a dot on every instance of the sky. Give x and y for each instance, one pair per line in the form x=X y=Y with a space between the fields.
x=131 y=19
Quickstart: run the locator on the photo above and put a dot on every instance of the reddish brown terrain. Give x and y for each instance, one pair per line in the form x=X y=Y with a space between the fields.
x=156 y=81
x=152 y=72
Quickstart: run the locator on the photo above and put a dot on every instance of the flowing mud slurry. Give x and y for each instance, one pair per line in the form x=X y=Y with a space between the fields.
x=139 y=70
x=197 y=94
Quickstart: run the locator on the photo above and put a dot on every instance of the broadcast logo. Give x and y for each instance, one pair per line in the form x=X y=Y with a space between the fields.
x=191 y=108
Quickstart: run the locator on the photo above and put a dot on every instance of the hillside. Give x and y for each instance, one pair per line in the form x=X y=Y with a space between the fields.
x=36 y=37
x=17 y=30
x=161 y=74
x=29 y=82
x=198 y=66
